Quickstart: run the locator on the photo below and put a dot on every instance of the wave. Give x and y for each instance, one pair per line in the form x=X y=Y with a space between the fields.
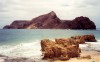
x=33 y=49
x=91 y=46
x=22 y=50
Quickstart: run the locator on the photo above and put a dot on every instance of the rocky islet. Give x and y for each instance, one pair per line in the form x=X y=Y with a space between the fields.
x=51 y=21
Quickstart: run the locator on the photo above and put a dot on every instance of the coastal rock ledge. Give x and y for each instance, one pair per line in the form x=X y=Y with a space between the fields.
x=64 y=48
x=51 y=21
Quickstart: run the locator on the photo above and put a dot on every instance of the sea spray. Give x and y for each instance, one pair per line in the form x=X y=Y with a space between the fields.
x=22 y=50
x=95 y=46
x=33 y=49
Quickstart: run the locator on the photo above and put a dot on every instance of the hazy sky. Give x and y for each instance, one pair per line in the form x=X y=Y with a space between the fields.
x=11 y=10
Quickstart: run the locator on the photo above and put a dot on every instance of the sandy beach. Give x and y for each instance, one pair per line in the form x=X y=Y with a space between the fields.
x=95 y=57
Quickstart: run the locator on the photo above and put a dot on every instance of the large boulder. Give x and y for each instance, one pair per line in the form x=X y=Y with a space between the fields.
x=89 y=38
x=62 y=49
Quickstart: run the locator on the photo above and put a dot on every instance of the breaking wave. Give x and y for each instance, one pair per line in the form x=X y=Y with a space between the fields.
x=22 y=50
x=33 y=49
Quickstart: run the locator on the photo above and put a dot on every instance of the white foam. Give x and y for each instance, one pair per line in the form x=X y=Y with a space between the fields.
x=32 y=49
x=91 y=46
x=22 y=50
x=99 y=41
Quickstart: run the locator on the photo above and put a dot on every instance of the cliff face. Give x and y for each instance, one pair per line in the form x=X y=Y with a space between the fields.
x=47 y=21
x=51 y=21
x=78 y=23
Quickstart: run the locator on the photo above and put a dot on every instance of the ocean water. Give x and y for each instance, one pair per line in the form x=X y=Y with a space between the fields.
x=26 y=43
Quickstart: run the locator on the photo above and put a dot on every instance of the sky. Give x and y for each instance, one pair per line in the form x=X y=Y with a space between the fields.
x=11 y=10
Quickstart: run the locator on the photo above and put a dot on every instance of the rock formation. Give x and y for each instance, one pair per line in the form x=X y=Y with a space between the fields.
x=64 y=49
x=82 y=39
x=52 y=50
x=51 y=21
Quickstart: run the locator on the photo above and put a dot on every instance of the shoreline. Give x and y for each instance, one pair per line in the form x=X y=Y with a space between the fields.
x=95 y=54
x=95 y=57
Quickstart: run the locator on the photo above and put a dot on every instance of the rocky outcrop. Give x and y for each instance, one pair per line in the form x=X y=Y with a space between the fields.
x=84 y=38
x=52 y=50
x=64 y=49
x=51 y=21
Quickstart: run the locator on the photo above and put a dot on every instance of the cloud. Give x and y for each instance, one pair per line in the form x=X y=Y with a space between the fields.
x=82 y=3
x=66 y=9
x=92 y=2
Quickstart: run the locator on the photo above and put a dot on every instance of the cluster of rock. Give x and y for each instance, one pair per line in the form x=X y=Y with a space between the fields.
x=82 y=39
x=64 y=49
x=51 y=21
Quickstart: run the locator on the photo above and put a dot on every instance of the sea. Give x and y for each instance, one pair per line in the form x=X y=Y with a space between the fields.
x=26 y=43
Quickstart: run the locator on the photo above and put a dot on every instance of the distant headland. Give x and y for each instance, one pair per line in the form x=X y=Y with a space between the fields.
x=51 y=21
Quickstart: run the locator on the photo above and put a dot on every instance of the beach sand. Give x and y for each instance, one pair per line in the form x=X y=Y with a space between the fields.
x=95 y=57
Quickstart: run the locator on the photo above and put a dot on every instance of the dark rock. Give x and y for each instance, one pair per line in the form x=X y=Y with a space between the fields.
x=84 y=38
x=89 y=38
x=78 y=23
x=8 y=27
x=17 y=24
x=51 y=21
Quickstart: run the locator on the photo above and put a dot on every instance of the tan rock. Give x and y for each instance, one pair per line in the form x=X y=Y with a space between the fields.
x=84 y=38
x=62 y=49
